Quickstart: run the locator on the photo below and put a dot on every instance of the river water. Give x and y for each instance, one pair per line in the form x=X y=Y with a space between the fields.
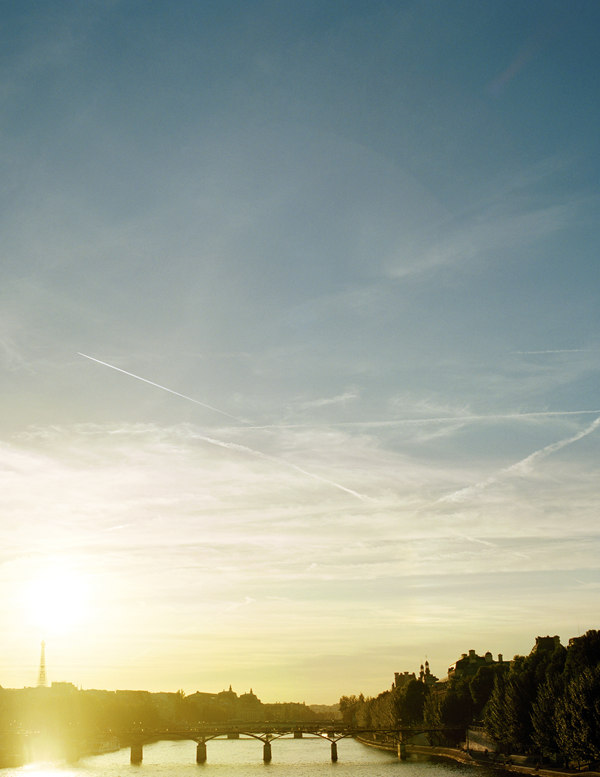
x=308 y=757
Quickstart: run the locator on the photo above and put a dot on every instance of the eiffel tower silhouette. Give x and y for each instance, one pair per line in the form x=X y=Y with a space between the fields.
x=42 y=679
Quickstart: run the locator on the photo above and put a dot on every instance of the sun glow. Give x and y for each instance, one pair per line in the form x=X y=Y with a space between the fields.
x=57 y=600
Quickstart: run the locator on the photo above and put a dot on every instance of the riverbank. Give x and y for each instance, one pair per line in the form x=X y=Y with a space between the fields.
x=463 y=756
x=453 y=754
x=508 y=765
x=505 y=765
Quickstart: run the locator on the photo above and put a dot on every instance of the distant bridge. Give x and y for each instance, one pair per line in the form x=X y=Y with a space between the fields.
x=266 y=732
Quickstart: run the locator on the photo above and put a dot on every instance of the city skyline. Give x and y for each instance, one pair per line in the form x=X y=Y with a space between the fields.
x=299 y=339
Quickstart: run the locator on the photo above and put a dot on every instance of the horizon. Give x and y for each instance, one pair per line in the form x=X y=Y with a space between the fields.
x=50 y=682
x=299 y=338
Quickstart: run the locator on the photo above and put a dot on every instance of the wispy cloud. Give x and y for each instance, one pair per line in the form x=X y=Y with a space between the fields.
x=11 y=357
x=474 y=236
x=233 y=445
x=524 y=55
x=343 y=398
x=513 y=213
x=228 y=529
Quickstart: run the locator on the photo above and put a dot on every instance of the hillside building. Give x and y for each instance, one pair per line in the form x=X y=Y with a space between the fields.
x=425 y=675
x=468 y=664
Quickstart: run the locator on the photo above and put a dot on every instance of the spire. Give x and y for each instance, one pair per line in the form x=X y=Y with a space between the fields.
x=42 y=679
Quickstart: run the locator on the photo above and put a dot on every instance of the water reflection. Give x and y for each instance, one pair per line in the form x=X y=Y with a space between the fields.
x=42 y=770
x=309 y=757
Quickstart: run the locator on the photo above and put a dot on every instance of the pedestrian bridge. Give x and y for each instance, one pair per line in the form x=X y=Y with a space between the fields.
x=267 y=732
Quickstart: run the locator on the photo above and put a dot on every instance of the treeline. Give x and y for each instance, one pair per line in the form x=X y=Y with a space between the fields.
x=399 y=706
x=545 y=704
x=548 y=704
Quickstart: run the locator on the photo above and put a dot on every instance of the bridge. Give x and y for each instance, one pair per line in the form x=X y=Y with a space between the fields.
x=266 y=732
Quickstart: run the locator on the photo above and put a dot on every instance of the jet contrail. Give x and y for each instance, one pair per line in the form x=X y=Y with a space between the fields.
x=231 y=445
x=164 y=388
x=462 y=419
x=523 y=465
x=556 y=350
x=520 y=467
x=235 y=446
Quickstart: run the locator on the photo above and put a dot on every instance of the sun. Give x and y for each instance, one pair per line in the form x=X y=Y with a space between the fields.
x=57 y=600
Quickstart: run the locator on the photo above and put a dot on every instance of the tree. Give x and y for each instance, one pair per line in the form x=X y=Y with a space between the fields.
x=450 y=709
x=495 y=713
x=481 y=687
x=457 y=706
x=577 y=717
x=409 y=702
x=510 y=711
x=543 y=717
x=383 y=710
x=520 y=694
x=349 y=709
x=583 y=652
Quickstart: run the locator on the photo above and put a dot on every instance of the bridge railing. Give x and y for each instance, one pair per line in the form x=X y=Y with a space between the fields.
x=267 y=731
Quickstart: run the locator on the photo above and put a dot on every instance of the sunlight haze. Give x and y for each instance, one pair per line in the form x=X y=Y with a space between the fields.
x=299 y=339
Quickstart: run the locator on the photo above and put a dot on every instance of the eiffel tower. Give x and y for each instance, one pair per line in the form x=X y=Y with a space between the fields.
x=42 y=679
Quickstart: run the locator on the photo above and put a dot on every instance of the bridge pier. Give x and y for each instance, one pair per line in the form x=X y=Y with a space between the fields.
x=137 y=752
x=201 y=752
x=267 y=753
x=401 y=751
x=334 y=752
x=297 y=735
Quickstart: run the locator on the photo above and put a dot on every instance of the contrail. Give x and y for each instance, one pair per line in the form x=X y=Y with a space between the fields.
x=432 y=420
x=556 y=350
x=232 y=445
x=164 y=388
x=245 y=449
x=522 y=466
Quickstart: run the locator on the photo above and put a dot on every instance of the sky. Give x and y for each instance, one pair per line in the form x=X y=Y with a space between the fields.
x=299 y=339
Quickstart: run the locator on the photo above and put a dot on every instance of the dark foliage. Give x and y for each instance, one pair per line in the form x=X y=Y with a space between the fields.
x=546 y=704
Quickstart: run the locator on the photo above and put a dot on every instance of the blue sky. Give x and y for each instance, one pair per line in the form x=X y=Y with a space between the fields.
x=360 y=243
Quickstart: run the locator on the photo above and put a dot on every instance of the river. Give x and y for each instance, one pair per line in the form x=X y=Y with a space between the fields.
x=308 y=757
